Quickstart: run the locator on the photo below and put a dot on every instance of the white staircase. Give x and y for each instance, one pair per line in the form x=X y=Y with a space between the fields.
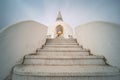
x=64 y=59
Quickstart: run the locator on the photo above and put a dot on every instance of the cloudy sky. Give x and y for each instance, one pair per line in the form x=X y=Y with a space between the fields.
x=74 y=12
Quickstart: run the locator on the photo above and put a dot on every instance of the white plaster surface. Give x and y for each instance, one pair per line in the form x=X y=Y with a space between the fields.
x=102 y=38
x=18 y=40
x=67 y=29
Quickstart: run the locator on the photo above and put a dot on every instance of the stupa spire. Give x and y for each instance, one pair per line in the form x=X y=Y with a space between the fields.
x=59 y=17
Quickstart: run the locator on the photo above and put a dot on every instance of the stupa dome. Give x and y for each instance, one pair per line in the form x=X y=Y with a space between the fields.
x=60 y=28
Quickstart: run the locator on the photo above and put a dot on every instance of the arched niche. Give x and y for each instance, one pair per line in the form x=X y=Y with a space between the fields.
x=59 y=30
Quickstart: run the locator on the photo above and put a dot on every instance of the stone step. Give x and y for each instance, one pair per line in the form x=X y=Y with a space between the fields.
x=84 y=53
x=64 y=60
x=62 y=44
x=61 y=48
x=61 y=41
x=37 y=72
x=63 y=57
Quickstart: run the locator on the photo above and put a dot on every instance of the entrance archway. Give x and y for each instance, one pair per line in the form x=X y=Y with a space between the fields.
x=59 y=30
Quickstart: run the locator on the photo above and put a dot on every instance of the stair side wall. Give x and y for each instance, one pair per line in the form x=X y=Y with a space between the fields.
x=18 y=40
x=101 y=38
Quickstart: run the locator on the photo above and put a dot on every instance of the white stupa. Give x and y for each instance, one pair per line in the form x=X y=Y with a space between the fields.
x=60 y=28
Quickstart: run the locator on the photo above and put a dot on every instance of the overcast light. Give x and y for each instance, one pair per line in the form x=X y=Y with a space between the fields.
x=74 y=12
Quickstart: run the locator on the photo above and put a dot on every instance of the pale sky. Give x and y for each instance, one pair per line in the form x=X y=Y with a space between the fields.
x=74 y=12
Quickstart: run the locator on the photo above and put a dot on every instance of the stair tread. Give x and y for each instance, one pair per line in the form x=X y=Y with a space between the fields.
x=51 y=53
x=64 y=50
x=61 y=43
x=67 y=57
x=62 y=46
x=65 y=70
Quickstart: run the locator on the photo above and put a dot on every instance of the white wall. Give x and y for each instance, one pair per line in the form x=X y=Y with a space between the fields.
x=18 y=40
x=67 y=30
x=102 y=38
